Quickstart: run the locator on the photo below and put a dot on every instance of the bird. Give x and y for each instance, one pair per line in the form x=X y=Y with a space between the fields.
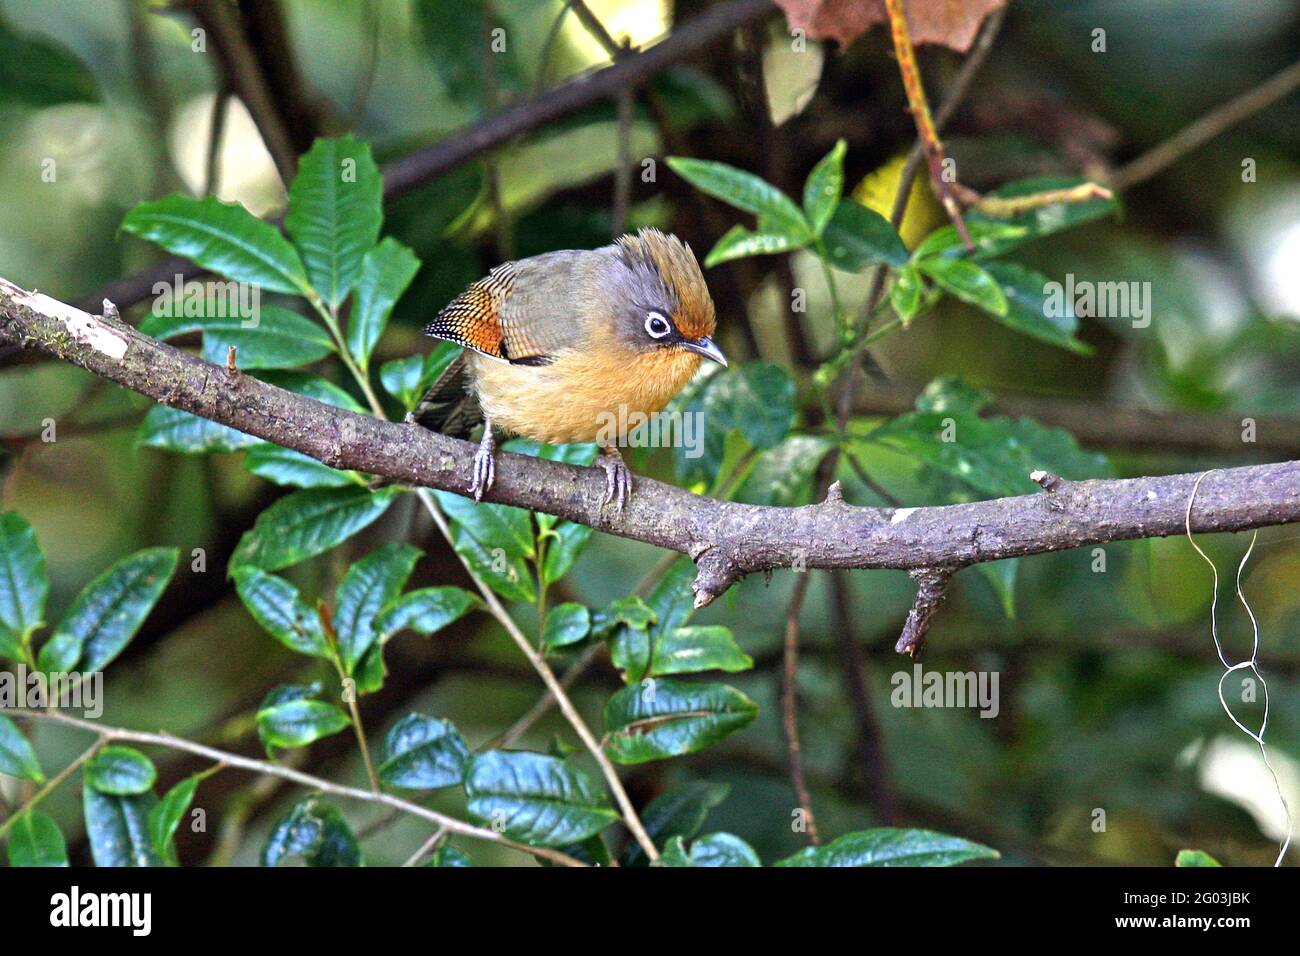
x=557 y=344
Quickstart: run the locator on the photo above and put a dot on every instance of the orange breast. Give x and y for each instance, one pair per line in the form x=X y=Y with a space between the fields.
x=580 y=397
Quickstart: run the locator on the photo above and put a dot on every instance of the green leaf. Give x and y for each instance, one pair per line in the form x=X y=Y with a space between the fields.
x=1030 y=309
x=989 y=237
x=280 y=338
x=745 y=191
x=306 y=523
x=386 y=271
x=224 y=238
x=407 y=379
x=537 y=799
x=35 y=840
x=36 y=72
x=109 y=610
x=315 y=833
x=298 y=723
x=284 y=466
x=421 y=753
x=565 y=544
x=672 y=600
x=118 y=828
x=335 y=212
x=17 y=759
x=174 y=430
x=739 y=243
x=370 y=585
x=666 y=718
x=689 y=650
x=496 y=540
x=723 y=849
x=857 y=237
x=966 y=281
x=120 y=771
x=565 y=624
x=905 y=293
x=165 y=818
x=625 y=623
x=453 y=35
x=783 y=476
x=757 y=400
x=425 y=611
x=276 y=605
x=313 y=387
x=678 y=812
x=1196 y=858
x=24 y=584
x=887 y=846
x=449 y=856
x=824 y=187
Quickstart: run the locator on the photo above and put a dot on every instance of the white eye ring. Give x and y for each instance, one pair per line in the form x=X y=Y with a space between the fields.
x=656 y=326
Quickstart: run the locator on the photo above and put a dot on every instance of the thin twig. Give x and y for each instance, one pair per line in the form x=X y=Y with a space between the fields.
x=52 y=785
x=790 y=707
x=296 y=776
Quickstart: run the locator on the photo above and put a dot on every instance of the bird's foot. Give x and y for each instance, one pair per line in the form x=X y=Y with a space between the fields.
x=485 y=467
x=618 y=480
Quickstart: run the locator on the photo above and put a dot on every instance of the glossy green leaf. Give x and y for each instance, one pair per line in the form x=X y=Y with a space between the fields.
x=306 y=523
x=723 y=849
x=757 y=400
x=165 y=818
x=1195 y=858
x=315 y=833
x=857 y=237
x=298 y=723
x=407 y=379
x=537 y=799
x=966 y=281
x=744 y=191
x=370 y=585
x=565 y=624
x=671 y=601
x=565 y=544
x=284 y=466
x=677 y=812
x=280 y=338
x=17 y=758
x=224 y=238
x=449 y=856
x=783 y=476
x=425 y=611
x=496 y=540
x=24 y=583
x=421 y=753
x=109 y=610
x=386 y=271
x=905 y=293
x=35 y=840
x=740 y=243
x=1030 y=310
x=689 y=650
x=313 y=387
x=118 y=828
x=887 y=846
x=120 y=771
x=335 y=212
x=988 y=236
x=824 y=187
x=37 y=72
x=276 y=605
x=174 y=430
x=666 y=718
x=625 y=623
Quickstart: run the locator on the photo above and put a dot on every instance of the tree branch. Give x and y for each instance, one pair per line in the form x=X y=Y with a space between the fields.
x=727 y=540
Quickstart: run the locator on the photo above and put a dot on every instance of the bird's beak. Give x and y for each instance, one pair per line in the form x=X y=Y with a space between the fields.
x=708 y=348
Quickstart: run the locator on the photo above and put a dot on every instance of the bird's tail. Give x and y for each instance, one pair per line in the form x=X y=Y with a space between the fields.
x=450 y=406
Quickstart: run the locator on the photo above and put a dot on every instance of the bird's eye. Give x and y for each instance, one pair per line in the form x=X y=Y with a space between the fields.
x=657 y=326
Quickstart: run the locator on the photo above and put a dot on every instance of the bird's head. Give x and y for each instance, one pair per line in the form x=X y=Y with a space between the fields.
x=653 y=290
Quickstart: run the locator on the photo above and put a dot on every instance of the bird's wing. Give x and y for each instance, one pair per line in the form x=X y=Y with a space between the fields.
x=449 y=407
x=519 y=313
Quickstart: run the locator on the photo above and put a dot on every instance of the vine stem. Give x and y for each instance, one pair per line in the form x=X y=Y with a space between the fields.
x=296 y=776
x=498 y=611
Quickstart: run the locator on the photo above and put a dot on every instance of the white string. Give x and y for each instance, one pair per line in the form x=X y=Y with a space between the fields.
x=1251 y=664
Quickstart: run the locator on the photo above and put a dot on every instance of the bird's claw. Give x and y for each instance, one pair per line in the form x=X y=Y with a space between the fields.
x=618 y=479
x=485 y=467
